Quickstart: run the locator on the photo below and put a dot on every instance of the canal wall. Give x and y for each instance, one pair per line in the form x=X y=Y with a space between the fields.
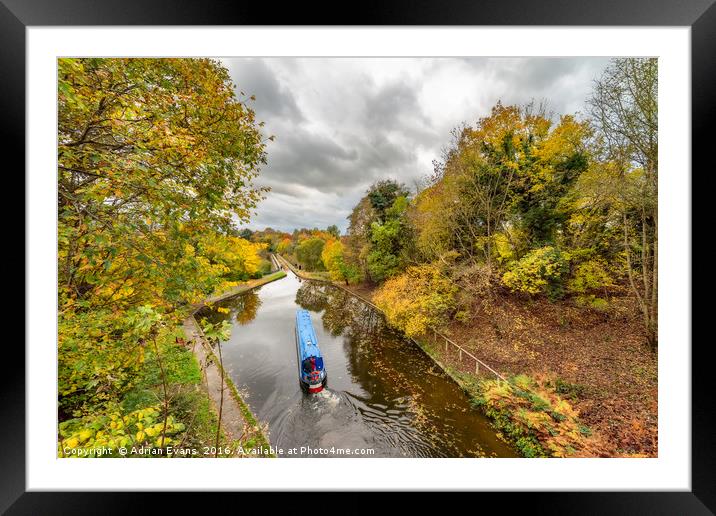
x=237 y=420
x=240 y=289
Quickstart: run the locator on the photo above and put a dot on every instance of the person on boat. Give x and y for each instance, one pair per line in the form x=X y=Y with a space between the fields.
x=313 y=364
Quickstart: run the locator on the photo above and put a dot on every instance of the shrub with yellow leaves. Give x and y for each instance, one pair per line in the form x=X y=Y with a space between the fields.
x=420 y=298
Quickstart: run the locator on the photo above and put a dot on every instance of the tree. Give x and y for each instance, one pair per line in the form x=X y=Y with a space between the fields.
x=624 y=109
x=285 y=246
x=156 y=159
x=152 y=153
x=333 y=231
x=334 y=262
x=371 y=212
x=382 y=195
x=505 y=176
x=388 y=239
x=240 y=258
x=357 y=241
x=308 y=253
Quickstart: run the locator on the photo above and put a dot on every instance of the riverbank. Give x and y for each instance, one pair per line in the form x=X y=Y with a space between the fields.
x=593 y=360
x=239 y=424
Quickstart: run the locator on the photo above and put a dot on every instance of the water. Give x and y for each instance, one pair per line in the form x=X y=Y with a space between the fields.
x=383 y=393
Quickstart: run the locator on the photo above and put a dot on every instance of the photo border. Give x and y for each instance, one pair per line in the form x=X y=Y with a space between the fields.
x=17 y=15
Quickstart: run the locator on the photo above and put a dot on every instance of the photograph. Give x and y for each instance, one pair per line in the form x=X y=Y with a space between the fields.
x=357 y=257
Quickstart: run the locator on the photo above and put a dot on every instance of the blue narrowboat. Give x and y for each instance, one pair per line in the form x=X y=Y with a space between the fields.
x=310 y=362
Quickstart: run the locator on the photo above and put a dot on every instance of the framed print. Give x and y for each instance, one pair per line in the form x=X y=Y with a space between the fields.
x=430 y=250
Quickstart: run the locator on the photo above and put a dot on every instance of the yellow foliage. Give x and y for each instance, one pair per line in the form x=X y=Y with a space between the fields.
x=420 y=298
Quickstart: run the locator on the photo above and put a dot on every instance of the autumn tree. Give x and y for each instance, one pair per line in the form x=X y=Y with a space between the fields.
x=502 y=179
x=624 y=111
x=420 y=298
x=156 y=159
x=333 y=260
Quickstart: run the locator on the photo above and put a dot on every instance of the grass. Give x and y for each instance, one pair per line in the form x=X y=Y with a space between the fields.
x=189 y=402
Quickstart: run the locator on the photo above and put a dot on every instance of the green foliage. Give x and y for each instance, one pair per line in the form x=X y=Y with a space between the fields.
x=377 y=233
x=382 y=266
x=119 y=423
x=383 y=194
x=418 y=299
x=540 y=271
x=308 y=253
x=219 y=331
x=387 y=240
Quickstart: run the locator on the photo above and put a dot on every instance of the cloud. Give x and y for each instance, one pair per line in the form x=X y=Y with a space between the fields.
x=254 y=77
x=343 y=123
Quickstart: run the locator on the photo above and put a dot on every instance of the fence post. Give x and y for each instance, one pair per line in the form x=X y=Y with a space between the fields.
x=459 y=348
x=477 y=367
x=446 y=345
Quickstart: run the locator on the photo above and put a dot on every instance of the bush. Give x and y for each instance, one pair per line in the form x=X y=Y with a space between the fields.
x=538 y=272
x=420 y=298
x=381 y=265
x=265 y=266
x=540 y=422
x=588 y=278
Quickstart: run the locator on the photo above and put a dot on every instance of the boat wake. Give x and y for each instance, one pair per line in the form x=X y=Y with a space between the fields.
x=332 y=399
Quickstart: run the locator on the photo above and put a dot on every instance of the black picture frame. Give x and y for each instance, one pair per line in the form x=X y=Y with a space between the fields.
x=700 y=15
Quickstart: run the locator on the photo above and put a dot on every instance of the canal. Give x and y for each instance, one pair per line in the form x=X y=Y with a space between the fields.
x=383 y=393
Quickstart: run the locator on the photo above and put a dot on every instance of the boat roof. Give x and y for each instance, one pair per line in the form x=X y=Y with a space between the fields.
x=306 y=335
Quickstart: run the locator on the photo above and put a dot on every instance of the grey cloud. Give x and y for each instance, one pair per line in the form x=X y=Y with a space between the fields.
x=564 y=83
x=358 y=123
x=254 y=77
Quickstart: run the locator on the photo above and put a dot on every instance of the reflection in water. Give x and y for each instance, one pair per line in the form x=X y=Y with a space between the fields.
x=249 y=304
x=383 y=391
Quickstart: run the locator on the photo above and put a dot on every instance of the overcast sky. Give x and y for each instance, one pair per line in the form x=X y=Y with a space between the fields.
x=343 y=123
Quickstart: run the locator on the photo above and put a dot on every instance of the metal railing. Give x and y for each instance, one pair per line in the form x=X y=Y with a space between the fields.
x=462 y=351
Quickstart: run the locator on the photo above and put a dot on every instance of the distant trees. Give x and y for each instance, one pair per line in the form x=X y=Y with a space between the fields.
x=333 y=231
x=309 y=253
